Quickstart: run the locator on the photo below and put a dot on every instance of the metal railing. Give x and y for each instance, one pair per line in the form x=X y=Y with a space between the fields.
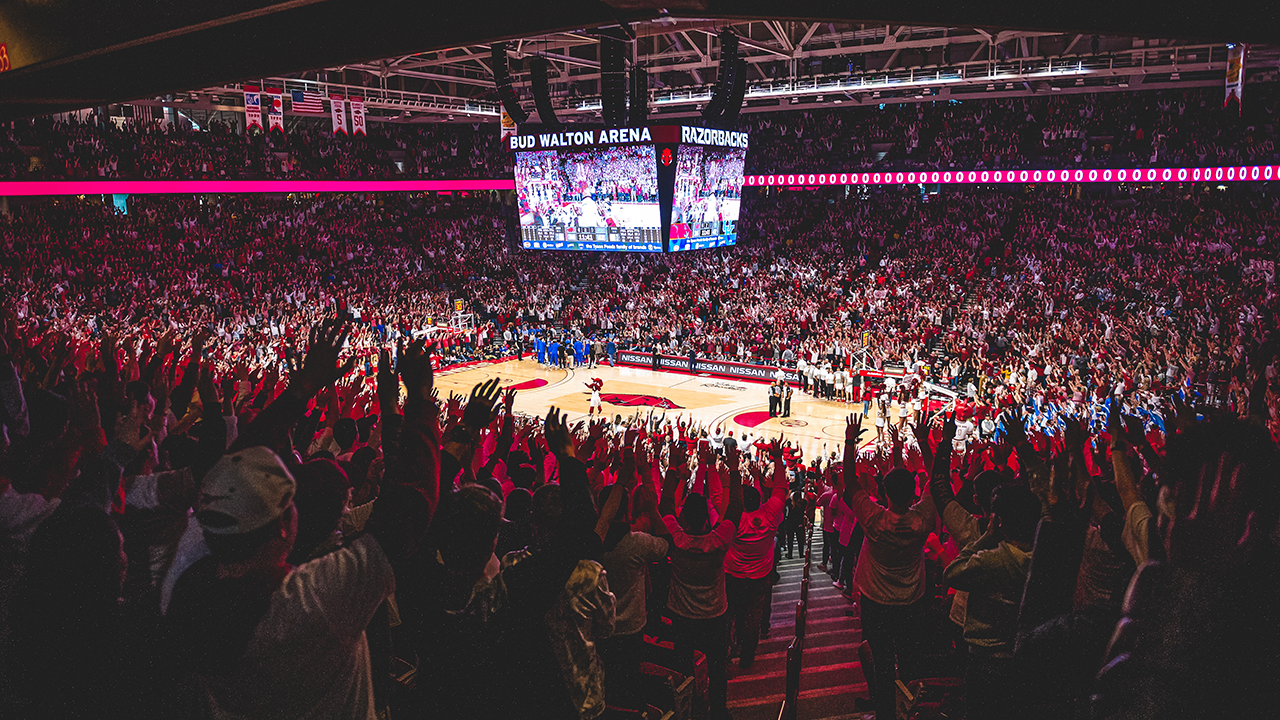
x=795 y=651
x=376 y=97
x=1139 y=61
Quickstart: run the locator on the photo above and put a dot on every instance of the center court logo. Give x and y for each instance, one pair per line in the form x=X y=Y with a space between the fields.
x=623 y=400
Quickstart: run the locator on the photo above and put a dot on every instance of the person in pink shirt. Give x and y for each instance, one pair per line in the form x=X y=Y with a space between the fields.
x=828 y=528
x=697 y=599
x=890 y=569
x=749 y=562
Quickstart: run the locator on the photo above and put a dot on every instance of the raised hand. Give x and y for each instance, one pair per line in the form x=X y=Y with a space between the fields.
x=201 y=338
x=1000 y=454
x=1115 y=425
x=853 y=430
x=208 y=390
x=482 y=406
x=1074 y=435
x=949 y=427
x=731 y=457
x=1014 y=429
x=414 y=366
x=1133 y=431
x=320 y=367
x=164 y=345
x=921 y=432
x=388 y=384
x=775 y=448
x=678 y=453
x=557 y=433
x=706 y=456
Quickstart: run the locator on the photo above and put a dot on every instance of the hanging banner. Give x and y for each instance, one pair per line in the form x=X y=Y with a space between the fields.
x=508 y=127
x=252 y=107
x=1235 y=75
x=357 y=116
x=338 y=107
x=275 y=110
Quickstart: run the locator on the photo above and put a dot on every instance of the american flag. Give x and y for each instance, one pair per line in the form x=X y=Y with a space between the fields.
x=306 y=102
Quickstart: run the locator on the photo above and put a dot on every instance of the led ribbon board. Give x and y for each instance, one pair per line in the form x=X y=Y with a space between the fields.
x=28 y=188
x=1241 y=173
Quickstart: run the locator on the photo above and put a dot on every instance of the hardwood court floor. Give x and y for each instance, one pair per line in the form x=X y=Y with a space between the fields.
x=732 y=404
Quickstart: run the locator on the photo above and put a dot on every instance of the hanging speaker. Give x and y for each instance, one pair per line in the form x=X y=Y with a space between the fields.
x=638 y=114
x=502 y=82
x=541 y=95
x=613 y=81
x=720 y=93
x=733 y=104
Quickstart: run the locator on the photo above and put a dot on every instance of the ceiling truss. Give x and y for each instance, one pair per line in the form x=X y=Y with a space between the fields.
x=790 y=63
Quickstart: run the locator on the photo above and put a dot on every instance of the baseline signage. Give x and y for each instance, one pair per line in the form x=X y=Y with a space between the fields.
x=711 y=367
x=1242 y=173
x=740 y=371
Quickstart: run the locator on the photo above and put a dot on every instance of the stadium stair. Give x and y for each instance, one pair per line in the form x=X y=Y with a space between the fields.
x=831 y=675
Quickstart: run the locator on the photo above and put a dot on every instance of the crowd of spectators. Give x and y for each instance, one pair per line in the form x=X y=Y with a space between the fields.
x=1159 y=128
x=1165 y=128
x=76 y=149
x=220 y=501
x=1045 y=298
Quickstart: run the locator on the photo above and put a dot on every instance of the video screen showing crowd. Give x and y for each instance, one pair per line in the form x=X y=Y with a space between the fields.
x=593 y=199
x=708 y=197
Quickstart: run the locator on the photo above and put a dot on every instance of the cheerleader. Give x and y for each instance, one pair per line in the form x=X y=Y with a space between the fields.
x=882 y=412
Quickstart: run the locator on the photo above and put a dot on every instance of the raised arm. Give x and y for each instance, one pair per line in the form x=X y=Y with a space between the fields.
x=320 y=368
x=733 y=513
x=921 y=431
x=779 y=483
x=896 y=442
x=626 y=480
x=578 y=517
x=667 y=504
x=416 y=460
x=940 y=476
x=853 y=432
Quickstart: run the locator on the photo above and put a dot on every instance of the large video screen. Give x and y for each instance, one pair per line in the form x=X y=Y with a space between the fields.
x=603 y=198
x=708 y=194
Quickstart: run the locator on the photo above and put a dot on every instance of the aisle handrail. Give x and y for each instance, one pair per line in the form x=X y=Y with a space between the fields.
x=795 y=651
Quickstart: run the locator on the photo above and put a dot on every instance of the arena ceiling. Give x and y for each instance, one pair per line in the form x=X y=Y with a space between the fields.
x=421 y=61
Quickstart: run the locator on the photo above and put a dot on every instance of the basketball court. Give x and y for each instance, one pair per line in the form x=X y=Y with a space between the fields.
x=742 y=407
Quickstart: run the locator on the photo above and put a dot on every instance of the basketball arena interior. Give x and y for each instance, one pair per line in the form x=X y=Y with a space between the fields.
x=632 y=361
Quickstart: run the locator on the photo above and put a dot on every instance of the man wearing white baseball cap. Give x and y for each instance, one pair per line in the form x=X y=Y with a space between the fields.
x=262 y=638
x=258 y=637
